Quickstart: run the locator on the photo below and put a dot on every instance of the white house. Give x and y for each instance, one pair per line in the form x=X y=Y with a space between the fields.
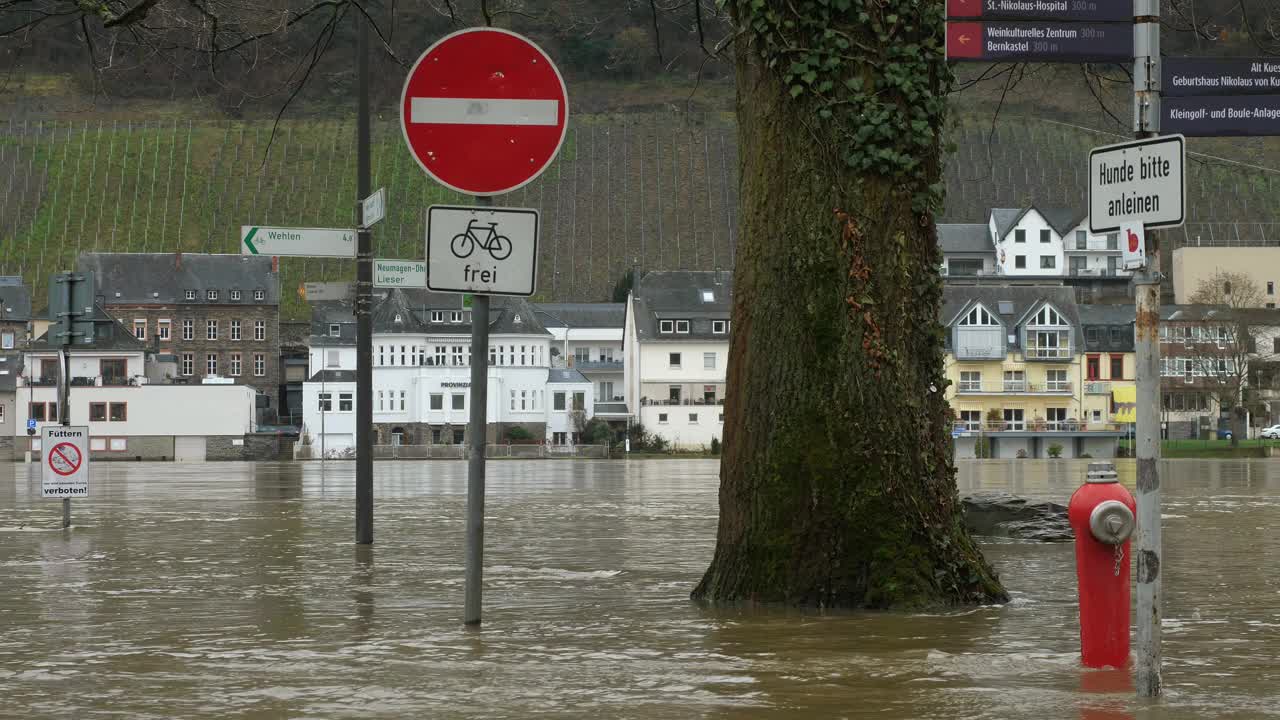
x=1028 y=241
x=587 y=337
x=676 y=350
x=422 y=374
x=967 y=249
x=1090 y=255
x=128 y=415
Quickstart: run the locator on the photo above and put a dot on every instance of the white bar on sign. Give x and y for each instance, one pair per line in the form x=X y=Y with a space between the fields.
x=482 y=111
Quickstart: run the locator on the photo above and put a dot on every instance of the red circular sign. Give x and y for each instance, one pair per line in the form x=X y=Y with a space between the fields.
x=484 y=111
x=65 y=458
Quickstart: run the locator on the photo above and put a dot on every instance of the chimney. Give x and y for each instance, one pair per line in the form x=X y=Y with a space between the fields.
x=177 y=260
x=275 y=264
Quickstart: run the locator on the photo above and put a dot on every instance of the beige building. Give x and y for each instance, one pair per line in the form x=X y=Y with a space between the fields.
x=1192 y=265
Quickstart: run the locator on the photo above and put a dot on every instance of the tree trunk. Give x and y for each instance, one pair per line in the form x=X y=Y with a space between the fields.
x=837 y=487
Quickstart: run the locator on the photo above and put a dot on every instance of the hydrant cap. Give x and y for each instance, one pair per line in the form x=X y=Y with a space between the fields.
x=1111 y=522
x=1101 y=473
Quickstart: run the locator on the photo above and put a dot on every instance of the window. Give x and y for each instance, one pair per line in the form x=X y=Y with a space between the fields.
x=259 y=329
x=1275 y=345
x=188 y=364
x=1056 y=416
x=674 y=360
x=382 y=358
x=709 y=361
x=1082 y=240
x=662 y=418
x=259 y=295
x=1020 y=261
x=259 y=365
x=720 y=419
x=682 y=327
x=119 y=444
x=211 y=331
x=1056 y=381
x=1013 y=419
x=979 y=316
x=6 y=341
x=459 y=401
x=43 y=411
x=523 y=400
x=140 y=329
x=437 y=401
x=162 y=329
x=606 y=391
x=1113 y=241
x=380 y=399
x=522 y=355
x=1117 y=367
x=211 y=364
x=344 y=402
x=97 y=412
x=112 y=371
x=1044 y=236
x=1015 y=381
x=459 y=436
x=235 y=294
x=557 y=399
x=235 y=329
x=438 y=354
x=188 y=329
x=1117 y=335
x=1271 y=288
x=97 y=444
x=1020 y=236
x=455 y=316
x=437 y=316
x=970 y=381
x=579 y=401
x=235 y=364
x=971 y=419
x=693 y=418
x=457 y=354
x=718 y=327
x=1048 y=262
x=1091 y=335
x=402 y=356
x=335 y=330
x=666 y=326
x=606 y=354
x=119 y=412
x=581 y=355
x=326 y=402
x=708 y=296
x=191 y=294
x=1093 y=367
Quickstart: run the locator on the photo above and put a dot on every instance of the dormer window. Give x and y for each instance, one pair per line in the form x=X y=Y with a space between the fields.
x=335 y=330
x=708 y=296
x=719 y=327
x=517 y=320
x=398 y=318
x=979 y=317
x=682 y=327
x=667 y=327
x=1048 y=336
x=455 y=316
x=979 y=336
x=211 y=295
x=191 y=294
x=259 y=295
x=437 y=316
x=235 y=294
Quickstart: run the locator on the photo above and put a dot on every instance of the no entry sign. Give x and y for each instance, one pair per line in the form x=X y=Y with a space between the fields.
x=65 y=462
x=484 y=111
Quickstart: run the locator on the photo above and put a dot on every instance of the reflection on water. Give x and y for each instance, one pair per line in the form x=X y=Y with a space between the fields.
x=219 y=590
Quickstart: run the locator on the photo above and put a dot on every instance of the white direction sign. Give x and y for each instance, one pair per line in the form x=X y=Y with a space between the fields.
x=485 y=250
x=301 y=242
x=1140 y=182
x=399 y=273
x=64 y=462
x=374 y=207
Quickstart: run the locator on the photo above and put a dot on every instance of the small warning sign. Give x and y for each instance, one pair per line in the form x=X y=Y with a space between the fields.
x=65 y=463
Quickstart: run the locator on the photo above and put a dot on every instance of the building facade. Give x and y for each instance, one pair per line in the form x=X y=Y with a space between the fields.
x=676 y=352
x=1193 y=265
x=218 y=315
x=15 y=313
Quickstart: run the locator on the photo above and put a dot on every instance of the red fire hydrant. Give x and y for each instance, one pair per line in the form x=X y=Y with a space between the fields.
x=1102 y=515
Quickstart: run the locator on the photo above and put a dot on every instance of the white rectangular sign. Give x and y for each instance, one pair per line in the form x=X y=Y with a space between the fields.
x=1133 y=246
x=317 y=291
x=484 y=250
x=64 y=462
x=374 y=207
x=1138 y=182
x=399 y=273
x=300 y=242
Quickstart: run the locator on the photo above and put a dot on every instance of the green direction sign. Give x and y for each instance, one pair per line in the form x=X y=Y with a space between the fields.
x=302 y=242
x=399 y=273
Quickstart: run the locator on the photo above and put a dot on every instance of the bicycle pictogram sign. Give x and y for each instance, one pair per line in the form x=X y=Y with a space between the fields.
x=65 y=458
x=465 y=242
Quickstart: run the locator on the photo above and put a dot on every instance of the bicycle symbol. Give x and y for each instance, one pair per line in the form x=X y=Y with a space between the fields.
x=464 y=243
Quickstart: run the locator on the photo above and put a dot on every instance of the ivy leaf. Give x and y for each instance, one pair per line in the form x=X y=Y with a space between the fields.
x=796 y=90
x=809 y=77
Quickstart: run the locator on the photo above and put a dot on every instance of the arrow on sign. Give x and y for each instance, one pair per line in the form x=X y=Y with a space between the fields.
x=248 y=241
x=964 y=39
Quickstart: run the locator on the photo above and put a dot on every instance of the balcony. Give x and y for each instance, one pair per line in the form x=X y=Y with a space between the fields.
x=1094 y=387
x=1041 y=426
x=1015 y=387
x=1033 y=352
x=644 y=401
x=45 y=381
x=597 y=365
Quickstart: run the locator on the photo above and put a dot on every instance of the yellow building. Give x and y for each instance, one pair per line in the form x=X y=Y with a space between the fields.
x=1033 y=374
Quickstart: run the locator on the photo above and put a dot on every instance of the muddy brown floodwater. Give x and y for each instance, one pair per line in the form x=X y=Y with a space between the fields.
x=234 y=591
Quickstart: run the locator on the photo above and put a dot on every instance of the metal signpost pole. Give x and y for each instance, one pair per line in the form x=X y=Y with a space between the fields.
x=1147 y=113
x=364 y=302
x=475 y=462
x=64 y=408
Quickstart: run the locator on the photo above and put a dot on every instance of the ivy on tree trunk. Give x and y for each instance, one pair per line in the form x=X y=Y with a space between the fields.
x=837 y=483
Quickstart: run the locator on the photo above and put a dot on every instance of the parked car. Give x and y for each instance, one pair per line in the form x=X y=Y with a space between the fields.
x=1271 y=433
x=1224 y=433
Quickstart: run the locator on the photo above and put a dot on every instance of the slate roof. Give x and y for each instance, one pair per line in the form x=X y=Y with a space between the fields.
x=503 y=314
x=1061 y=220
x=15 y=299
x=164 y=278
x=557 y=375
x=1264 y=317
x=10 y=369
x=108 y=334
x=1107 y=314
x=965 y=238
x=1021 y=301
x=334 y=376
x=393 y=315
x=611 y=409
x=582 y=315
x=514 y=316
x=677 y=295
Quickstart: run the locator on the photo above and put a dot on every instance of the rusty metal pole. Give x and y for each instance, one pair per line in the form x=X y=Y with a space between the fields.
x=1146 y=108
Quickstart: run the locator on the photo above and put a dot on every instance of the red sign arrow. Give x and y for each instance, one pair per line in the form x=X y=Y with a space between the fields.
x=960 y=37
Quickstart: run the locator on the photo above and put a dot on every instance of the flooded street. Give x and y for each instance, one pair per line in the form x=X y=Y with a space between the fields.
x=234 y=590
